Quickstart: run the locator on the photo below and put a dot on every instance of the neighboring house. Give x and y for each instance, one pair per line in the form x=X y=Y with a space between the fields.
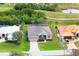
x=75 y=52
x=68 y=32
x=7 y=31
x=39 y=32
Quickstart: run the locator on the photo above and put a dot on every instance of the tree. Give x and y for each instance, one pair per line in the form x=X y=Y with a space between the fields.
x=25 y=19
x=26 y=15
x=38 y=18
x=19 y=6
x=43 y=6
x=17 y=35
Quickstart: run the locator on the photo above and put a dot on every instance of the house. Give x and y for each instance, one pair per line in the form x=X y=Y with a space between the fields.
x=75 y=52
x=7 y=31
x=68 y=32
x=39 y=32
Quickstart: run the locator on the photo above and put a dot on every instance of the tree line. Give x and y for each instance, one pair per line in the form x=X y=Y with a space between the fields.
x=35 y=6
x=25 y=15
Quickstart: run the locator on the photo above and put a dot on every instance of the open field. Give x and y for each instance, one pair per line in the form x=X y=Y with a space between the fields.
x=68 y=5
x=63 y=22
x=51 y=14
x=5 y=8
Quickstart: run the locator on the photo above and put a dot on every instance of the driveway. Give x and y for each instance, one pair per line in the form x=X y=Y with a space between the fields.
x=34 y=50
x=71 y=45
x=2 y=40
x=34 y=46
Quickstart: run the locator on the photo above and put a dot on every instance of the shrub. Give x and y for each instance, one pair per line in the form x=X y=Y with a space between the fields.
x=18 y=36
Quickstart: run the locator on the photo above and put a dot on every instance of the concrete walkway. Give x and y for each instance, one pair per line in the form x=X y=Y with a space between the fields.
x=55 y=52
x=71 y=45
x=4 y=53
x=76 y=40
x=2 y=40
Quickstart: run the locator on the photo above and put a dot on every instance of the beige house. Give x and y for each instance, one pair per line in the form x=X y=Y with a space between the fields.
x=68 y=32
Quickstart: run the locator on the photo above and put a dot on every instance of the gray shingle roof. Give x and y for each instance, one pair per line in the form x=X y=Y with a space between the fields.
x=34 y=30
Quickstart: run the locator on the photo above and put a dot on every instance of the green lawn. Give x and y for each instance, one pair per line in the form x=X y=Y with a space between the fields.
x=24 y=46
x=7 y=47
x=63 y=22
x=51 y=45
x=5 y=8
x=12 y=47
x=51 y=14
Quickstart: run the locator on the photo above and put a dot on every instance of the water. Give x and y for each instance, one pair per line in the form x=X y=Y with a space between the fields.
x=71 y=11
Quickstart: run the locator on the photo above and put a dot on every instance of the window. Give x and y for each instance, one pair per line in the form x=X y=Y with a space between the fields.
x=0 y=37
x=3 y=35
x=48 y=36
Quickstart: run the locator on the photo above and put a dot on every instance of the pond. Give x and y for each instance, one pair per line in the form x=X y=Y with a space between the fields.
x=71 y=11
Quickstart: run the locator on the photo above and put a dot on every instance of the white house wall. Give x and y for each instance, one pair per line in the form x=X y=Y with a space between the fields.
x=47 y=37
x=9 y=30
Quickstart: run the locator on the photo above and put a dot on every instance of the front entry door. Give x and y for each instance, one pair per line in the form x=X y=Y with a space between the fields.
x=42 y=37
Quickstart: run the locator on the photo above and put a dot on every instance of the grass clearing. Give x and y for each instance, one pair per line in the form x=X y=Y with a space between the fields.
x=63 y=22
x=51 y=14
x=5 y=8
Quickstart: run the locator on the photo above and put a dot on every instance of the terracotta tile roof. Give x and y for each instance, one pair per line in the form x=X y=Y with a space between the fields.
x=68 y=30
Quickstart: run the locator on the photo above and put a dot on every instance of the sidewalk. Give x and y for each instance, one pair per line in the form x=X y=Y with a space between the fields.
x=50 y=53
x=4 y=53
